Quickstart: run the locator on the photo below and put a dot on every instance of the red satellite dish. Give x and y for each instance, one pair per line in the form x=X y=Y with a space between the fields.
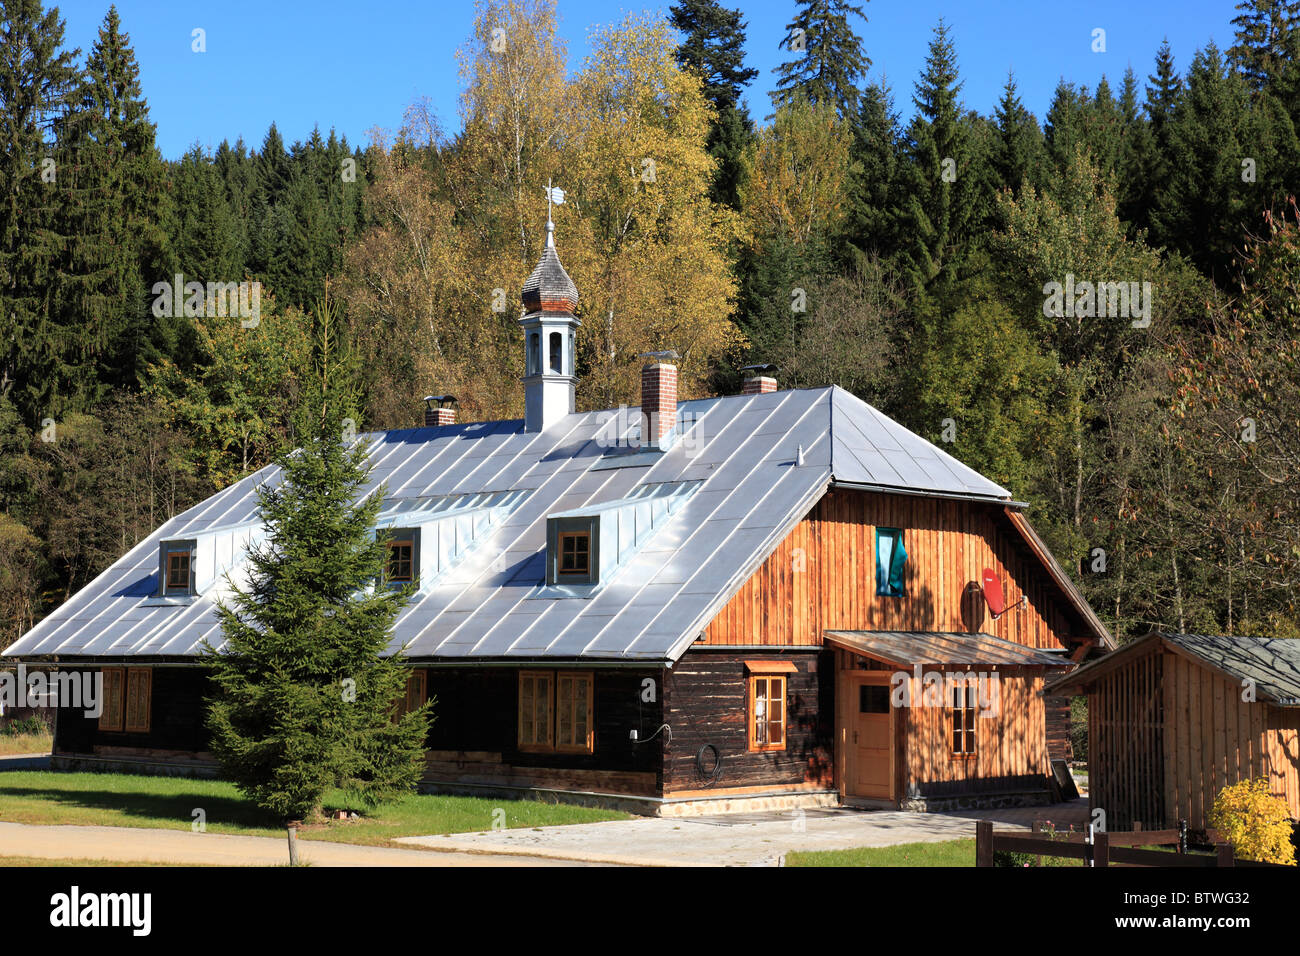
x=993 y=595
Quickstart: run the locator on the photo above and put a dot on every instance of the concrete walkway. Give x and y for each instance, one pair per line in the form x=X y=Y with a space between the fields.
x=757 y=839
x=24 y=762
x=141 y=845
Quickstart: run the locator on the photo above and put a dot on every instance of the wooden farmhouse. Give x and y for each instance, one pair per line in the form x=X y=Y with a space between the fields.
x=1175 y=718
x=765 y=600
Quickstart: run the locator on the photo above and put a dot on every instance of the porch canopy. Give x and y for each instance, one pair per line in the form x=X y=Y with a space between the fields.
x=944 y=649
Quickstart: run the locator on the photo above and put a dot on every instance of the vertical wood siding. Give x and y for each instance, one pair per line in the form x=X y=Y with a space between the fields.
x=823 y=576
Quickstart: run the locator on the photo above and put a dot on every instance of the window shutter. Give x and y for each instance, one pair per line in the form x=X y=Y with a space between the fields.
x=110 y=717
x=896 y=564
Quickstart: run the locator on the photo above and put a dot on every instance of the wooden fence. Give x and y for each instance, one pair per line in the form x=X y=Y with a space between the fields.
x=1106 y=849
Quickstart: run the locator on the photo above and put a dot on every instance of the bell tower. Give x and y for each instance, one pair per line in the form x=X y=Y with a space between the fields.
x=550 y=327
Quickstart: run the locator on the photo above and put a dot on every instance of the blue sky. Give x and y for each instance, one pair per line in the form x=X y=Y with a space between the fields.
x=356 y=65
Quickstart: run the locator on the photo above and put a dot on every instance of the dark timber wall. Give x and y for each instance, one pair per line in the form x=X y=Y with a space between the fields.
x=705 y=702
x=175 y=720
x=474 y=737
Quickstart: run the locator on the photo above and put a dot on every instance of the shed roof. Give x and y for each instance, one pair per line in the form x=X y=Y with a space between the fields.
x=1272 y=663
x=906 y=648
x=756 y=465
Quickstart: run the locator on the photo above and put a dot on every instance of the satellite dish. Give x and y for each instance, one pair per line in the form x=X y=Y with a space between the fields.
x=993 y=595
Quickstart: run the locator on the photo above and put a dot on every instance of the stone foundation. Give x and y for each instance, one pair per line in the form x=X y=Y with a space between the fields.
x=153 y=767
x=976 y=801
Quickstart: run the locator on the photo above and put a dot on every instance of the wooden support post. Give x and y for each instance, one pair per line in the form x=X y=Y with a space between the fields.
x=1182 y=836
x=293 y=842
x=984 y=843
x=1036 y=830
x=1225 y=855
x=1101 y=849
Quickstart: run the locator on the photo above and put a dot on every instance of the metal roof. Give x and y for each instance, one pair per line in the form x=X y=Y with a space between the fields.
x=757 y=464
x=1272 y=663
x=944 y=648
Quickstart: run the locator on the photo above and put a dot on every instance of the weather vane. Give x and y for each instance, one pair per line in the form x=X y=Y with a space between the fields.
x=554 y=194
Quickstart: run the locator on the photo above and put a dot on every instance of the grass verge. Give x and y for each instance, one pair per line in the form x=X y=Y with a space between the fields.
x=129 y=800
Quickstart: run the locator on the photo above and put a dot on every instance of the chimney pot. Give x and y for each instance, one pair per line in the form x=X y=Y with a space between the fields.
x=757 y=379
x=439 y=410
x=658 y=400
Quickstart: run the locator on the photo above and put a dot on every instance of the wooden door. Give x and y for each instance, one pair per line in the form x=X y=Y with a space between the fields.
x=870 y=738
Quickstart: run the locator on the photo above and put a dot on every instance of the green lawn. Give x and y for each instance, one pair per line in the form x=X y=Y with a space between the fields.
x=128 y=800
x=947 y=853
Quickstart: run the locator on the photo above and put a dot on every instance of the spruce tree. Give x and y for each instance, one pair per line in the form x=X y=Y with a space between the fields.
x=872 y=222
x=38 y=83
x=115 y=194
x=1019 y=151
x=946 y=181
x=305 y=700
x=828 y=57
x=1266 y=41
x=713 y=47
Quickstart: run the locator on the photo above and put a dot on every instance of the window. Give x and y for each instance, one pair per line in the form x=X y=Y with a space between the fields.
x=556 y=711
x=557 y=345
x=766 y=712
x=573 y=550
x=176 y=569
x=963 y=706
x=573 y=732
x=891 y=558
x=110 y=716
x=534 y=354
x=128 y=699
x=575 y=554
x=535 y=710
x=403 y=565
x=414 y=697
x=139 y=687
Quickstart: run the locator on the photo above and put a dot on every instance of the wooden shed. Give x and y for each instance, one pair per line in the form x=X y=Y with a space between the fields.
x=1174 y=718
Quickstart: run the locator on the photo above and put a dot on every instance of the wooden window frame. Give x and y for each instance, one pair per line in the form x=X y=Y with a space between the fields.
x=415 y=695
x=549 y=741
x=402 y=537
x=113 y=712
x=537 y=742
x=137 y=720
x=588 y=744
x=560 y=528
x=969 y=716
x=751 y=712
x=585 y=573
x=165 y=550
x=124 y=712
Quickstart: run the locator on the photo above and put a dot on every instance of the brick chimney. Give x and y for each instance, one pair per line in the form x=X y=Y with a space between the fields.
x=658 y=400
x=439 y=410
x=758 y=380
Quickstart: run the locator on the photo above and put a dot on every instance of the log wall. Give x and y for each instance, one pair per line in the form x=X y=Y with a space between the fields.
x=705 y=702
x=474 y=736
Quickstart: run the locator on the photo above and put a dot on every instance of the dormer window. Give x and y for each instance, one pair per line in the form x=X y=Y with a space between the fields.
x=176 y=569
x=403 y=564
x=573 y=550
x=575 y=555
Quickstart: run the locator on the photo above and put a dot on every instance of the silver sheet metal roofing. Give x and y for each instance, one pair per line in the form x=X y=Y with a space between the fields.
x=758 y=462
x=1272 y=663
x=944 y=649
